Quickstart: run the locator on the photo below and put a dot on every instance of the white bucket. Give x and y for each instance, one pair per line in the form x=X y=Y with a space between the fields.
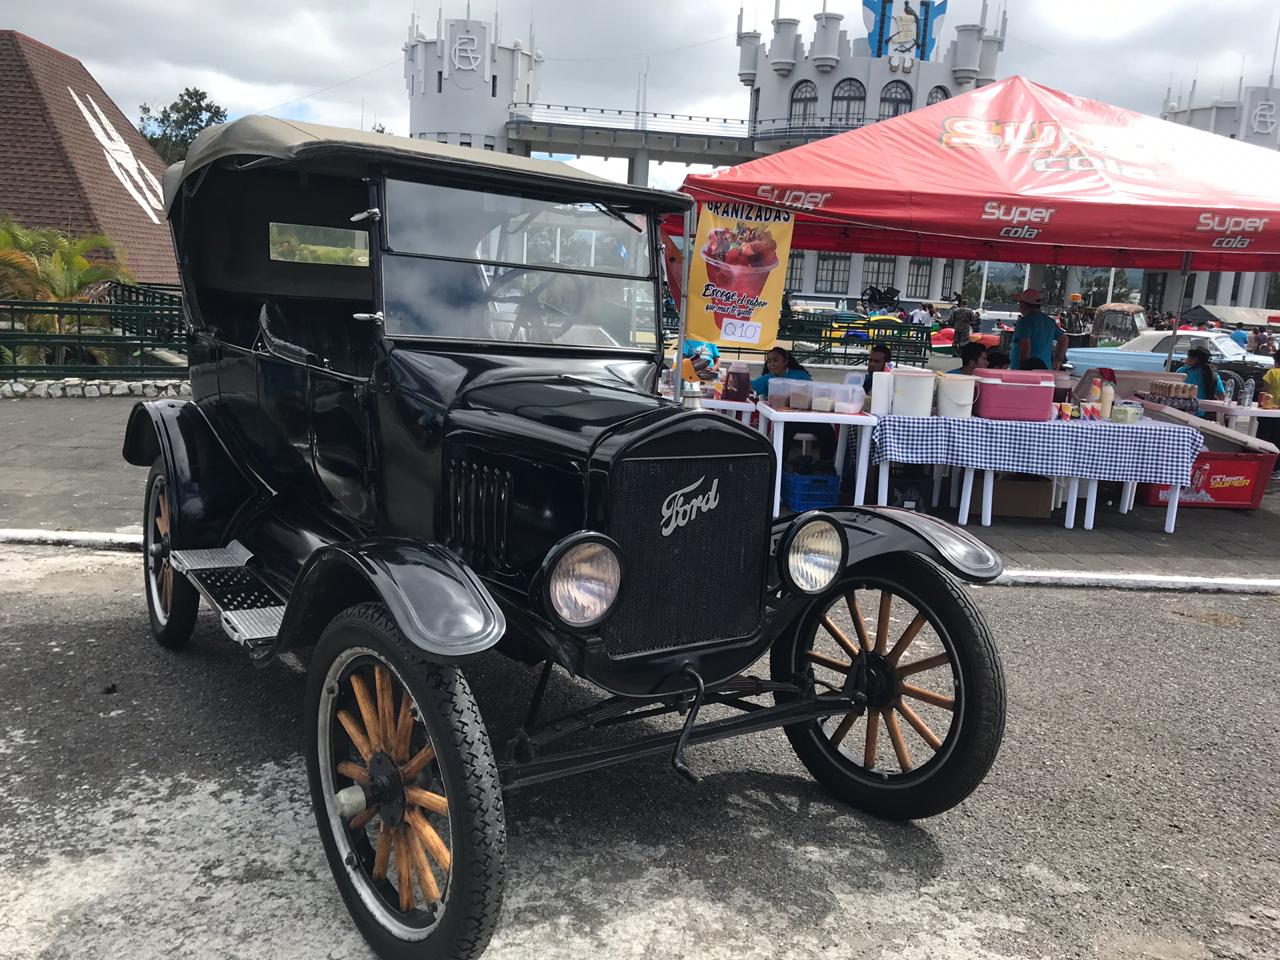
x=956 y=392
x=881 y=393
x=913 y=392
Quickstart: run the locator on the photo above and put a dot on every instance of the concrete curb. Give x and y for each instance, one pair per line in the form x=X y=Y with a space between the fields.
x=131 y=542
x=1073 y=579
x=1135 y=581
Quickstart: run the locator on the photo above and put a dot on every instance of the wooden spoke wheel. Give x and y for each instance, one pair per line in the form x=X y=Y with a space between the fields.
x=908 y=636
x=405 y=790
x=172 y=602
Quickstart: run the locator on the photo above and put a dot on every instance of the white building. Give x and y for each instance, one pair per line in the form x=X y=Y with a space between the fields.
x=1251 y=116
x=462 y=82
x=840 y=82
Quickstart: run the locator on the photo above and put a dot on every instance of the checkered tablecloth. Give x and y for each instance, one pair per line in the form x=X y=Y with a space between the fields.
x=1147 y=452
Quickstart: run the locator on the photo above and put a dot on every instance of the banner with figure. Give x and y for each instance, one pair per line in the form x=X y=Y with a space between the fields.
x=738 y=272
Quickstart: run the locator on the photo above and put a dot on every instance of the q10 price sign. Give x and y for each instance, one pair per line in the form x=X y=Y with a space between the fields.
x=738 y=271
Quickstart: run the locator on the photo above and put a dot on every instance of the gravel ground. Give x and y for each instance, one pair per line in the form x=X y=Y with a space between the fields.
x=155 y=803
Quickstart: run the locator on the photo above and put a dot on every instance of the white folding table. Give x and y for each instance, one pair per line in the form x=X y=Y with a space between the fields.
x=774 y=422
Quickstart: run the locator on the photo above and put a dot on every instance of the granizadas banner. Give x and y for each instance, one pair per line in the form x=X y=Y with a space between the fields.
x=737 y=275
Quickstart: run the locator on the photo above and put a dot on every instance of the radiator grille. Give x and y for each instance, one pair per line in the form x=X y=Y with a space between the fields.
x=703 y=581
x=479 y=512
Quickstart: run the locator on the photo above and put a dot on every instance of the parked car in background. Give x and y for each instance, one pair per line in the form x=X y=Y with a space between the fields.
x=1149 y=350
x=1115 y=324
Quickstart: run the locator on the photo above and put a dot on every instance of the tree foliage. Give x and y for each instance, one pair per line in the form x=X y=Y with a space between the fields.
x=172 y=129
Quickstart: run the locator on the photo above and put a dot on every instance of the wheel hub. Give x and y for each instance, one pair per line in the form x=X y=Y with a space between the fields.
x=386 y=789
x=879 y=681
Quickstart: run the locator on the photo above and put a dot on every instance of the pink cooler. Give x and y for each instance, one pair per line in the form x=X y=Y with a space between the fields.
x=1015 y=395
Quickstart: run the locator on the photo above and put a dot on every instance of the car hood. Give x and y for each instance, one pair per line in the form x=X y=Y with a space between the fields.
x=565 y=412
x=561 y=405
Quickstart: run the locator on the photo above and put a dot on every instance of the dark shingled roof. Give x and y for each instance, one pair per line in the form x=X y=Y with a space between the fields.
x=70 y=159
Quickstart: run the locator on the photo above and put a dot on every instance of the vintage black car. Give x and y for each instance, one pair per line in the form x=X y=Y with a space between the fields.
x=424 y=423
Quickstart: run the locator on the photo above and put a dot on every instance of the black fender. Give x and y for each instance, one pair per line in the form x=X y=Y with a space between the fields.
x=206 y=488
x=876 y=531
x=435 y=600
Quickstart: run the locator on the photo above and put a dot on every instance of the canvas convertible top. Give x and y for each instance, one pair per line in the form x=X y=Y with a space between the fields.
x=291 y=140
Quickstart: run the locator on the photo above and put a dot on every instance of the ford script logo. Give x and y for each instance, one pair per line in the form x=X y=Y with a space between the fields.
x=685 y=504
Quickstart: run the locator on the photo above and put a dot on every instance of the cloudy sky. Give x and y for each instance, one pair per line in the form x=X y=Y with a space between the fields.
x=338 y=61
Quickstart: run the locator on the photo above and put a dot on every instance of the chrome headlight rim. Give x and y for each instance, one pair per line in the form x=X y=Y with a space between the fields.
x=552 y=560
x=788 y=539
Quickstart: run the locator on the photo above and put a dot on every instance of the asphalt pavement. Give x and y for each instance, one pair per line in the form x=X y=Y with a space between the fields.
x=63 y=471
x=155 y=803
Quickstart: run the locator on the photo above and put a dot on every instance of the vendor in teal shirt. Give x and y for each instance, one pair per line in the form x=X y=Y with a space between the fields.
x=1199 y=370
x=1036 y=335
x=703 y=348
x=778 y=363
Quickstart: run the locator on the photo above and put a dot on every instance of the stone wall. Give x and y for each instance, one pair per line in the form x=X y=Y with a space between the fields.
x=74 y=387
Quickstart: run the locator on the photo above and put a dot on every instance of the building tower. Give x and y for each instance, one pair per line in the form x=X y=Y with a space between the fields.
x=1252 y=116
x=838 y=83
x=462 y=82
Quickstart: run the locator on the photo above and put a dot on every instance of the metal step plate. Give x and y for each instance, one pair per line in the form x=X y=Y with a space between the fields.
x=250 y=612
x=234 y=554
x=253 y=626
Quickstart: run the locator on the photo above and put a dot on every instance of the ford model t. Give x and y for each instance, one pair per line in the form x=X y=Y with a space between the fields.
x=424 y=423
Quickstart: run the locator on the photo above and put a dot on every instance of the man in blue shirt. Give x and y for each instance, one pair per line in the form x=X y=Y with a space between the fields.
x=1036 y=335
x=1239 y=336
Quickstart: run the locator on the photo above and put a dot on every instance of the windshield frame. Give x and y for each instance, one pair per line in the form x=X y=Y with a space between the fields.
x=570 y=191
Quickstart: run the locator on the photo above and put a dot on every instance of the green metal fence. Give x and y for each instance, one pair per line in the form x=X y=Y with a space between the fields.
x=843 y=339
x=143 y=338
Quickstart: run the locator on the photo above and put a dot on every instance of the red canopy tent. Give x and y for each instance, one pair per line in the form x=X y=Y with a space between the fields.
x=1016 y=171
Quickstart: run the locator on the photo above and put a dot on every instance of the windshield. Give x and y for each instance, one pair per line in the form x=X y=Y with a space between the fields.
x=469 y=265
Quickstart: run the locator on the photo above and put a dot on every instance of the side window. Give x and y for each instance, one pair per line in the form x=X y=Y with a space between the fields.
x=335 y=246
x=1162 y=346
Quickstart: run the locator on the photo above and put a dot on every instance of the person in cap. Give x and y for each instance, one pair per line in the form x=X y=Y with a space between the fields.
x=1240 y=336
x=1199 y=371
x=963 y=320
x=1036 y=335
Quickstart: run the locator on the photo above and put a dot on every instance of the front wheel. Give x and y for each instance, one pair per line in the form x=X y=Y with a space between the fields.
x=421 y=866
x=172 y=602
x=935 y=689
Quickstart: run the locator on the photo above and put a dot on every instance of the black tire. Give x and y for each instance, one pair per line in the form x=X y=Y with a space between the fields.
x=461 y=922
x=976 y=727
x=172 y=608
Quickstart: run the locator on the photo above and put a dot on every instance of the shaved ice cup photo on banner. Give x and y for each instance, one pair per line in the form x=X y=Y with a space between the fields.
x=736 y=280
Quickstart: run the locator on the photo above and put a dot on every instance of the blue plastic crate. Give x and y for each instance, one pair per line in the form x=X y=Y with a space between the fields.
x=810 y=492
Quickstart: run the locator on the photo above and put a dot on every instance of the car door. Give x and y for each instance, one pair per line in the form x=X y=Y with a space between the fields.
x=342 y=454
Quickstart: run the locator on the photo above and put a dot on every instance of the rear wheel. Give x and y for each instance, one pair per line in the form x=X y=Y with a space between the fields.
x=421 y=866
x=172 y=602
x=936 y=699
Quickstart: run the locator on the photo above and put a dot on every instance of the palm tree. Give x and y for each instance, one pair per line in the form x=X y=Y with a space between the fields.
x=40 y=263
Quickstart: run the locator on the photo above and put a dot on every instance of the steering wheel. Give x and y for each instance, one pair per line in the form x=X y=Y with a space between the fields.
x=533 y=320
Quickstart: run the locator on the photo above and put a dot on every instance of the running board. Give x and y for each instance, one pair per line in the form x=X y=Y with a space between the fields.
x=249 y=611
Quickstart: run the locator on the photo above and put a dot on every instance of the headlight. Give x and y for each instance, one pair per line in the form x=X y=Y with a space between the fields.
x=584 y=580
x=813 y=553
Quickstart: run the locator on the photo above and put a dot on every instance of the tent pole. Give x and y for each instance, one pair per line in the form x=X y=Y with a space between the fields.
x=677 y=371
x=1111 y=285
x=982 y=297
x=1177 y=313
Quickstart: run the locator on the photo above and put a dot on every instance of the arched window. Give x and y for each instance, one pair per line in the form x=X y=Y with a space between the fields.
x=849 y=102
x=937 y=95
x=804 y=103
x=895 y=99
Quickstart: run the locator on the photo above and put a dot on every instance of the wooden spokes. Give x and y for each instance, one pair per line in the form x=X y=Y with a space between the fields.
x=161 y=566
x=411 y=853
x=899 y=710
